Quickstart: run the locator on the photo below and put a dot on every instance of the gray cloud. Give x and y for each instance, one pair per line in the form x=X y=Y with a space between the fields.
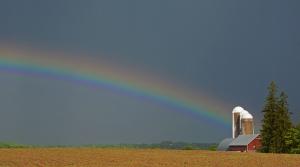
x=232 y=49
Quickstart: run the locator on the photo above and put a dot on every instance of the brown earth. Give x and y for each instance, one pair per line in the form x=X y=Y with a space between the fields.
x=111 y=157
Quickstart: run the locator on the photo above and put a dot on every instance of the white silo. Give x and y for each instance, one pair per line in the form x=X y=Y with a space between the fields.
x=247 y=127
x=236 y=121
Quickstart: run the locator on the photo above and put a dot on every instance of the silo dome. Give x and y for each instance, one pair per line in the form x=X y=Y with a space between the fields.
x=244 y=112
x=237 y=109
x=246 y=115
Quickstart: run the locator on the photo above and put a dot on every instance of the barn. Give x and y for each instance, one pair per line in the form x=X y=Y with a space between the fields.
x=243 y=137
x=245 y=143
x=224 y=144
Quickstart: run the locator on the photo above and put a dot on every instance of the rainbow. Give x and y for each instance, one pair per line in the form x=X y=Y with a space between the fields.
x=106 y=75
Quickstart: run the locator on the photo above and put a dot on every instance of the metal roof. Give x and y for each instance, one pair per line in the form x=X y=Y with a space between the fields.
x=243 y=140
x=224 y=144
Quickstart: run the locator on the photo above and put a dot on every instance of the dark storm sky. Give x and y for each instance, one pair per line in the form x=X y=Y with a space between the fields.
x=232 y=49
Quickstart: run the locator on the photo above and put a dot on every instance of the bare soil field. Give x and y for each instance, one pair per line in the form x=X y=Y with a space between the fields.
x=111 y=157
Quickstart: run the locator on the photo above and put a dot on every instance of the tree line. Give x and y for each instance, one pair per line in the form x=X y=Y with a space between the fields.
x=163 y=145
x=278 y=133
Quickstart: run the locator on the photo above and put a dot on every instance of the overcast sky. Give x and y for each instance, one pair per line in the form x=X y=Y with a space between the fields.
x=232 y=49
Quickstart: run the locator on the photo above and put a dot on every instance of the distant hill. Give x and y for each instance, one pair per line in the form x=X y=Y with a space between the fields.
x=166 y=145
x=12 y=145
x=161 y=145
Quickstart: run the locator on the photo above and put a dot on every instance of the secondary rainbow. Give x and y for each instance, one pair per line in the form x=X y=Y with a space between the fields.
x=106 y=75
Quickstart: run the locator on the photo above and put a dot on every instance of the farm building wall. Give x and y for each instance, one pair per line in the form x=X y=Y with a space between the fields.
x=254 y=144
x=238 y=148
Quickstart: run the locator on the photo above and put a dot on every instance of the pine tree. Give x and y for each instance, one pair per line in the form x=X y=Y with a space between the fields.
x=298 y=126
x=282 y=123
x=267 y=131
x=292 y=140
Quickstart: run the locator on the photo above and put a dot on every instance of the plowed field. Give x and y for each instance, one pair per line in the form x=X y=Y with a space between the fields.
x=110 y=157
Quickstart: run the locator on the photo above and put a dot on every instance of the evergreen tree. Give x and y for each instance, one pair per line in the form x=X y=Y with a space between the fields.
x=276 y=122
x=292 y=140
x=267 y=131
x=298 y=126
x=282 y=123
